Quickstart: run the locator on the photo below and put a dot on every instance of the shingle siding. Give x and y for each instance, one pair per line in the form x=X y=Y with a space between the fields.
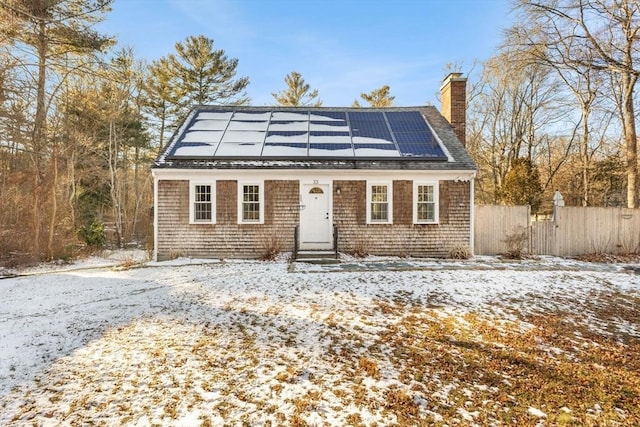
x=228 y=239
x=402 y=238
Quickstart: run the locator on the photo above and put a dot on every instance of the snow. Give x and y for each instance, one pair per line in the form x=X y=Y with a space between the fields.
x=199 y=150
x=372 y=152
x=288 y=116
x=326 y=152
x=536 y=412
x=330 y=139
x=244 y=136
x=289 y=127
x=328 y=128
x=202 y=136
x=219 y=125
x=283 y=151
x=222 y=115
x=251 y=149
x=177 y=342
x=371 y=140
x=255 y=116
x=247 y=126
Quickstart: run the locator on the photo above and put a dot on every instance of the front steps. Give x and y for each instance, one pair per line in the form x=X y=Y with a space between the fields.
x=317 y=257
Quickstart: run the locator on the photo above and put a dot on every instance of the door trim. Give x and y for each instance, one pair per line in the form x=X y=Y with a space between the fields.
x=304 y=186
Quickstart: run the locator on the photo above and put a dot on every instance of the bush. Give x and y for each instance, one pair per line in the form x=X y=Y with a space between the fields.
x=360 y=249
x=93 y=234
x=271 y=246
x=517 y=242
x=460 y=252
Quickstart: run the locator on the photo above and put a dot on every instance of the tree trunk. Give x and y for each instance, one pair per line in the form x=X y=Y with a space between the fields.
x=54 y=202
x=585 y=155
x=631 y=143
x=39 y=131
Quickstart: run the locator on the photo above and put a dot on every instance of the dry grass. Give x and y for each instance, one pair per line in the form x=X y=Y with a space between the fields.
x=391 y=359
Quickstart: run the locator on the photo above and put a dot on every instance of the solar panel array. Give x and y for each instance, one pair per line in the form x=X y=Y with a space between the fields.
x=307 y=134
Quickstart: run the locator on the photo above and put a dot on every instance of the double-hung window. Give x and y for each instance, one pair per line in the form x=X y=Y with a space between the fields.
x=379 y=203
x=202 y=203
x=425 y=202
x=251 y=202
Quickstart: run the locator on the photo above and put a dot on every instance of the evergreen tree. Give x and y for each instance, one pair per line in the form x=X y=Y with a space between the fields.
x=522 y=185
x=159 y=96
x=298 y=93
x=377 y=98
x=204 y=75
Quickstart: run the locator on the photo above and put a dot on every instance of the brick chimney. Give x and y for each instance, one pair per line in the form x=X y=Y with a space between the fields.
x=453 y=96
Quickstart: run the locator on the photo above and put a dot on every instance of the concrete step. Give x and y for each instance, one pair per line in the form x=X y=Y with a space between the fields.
x=317 y=257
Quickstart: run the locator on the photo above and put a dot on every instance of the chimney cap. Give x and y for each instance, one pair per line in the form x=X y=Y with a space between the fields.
x=454 y=77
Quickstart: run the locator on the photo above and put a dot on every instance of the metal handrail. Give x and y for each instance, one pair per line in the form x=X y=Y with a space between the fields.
x=335 y=240
x=295 y=242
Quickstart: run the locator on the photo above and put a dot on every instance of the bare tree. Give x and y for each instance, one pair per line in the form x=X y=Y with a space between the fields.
x=594 y=35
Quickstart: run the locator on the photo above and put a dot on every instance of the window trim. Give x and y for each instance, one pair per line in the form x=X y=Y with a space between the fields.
x=192 y=200
x=389 y=185
x=436 y=202
x=261 y=201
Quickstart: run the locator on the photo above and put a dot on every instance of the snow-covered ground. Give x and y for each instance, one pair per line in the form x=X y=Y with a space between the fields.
x=366 y=342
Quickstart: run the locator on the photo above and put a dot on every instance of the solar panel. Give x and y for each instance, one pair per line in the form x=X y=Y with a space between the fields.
x=413 y=135
x=328 y=116
x=315 y=133
x=251 y=115
x=244 y=125
x=331 y=150
x=194 y=149
x=285 y=150
x=288 y=125
x=209 y=125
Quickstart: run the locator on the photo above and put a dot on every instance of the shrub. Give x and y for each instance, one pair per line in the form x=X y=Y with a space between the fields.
x=460 y=252
x=271 y=247
x=360 y=249
x=93 y=234
x=517 y=242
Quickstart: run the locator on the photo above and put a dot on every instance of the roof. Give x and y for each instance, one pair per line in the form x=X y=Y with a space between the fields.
x=315 y=137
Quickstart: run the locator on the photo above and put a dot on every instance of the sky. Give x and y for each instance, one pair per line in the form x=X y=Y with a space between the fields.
x=342 y=48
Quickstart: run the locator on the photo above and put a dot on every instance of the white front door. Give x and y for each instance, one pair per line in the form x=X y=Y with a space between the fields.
x=315 y=217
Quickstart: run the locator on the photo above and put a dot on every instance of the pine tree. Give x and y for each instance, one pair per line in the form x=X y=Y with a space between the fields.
x=205 y=75
x=522 y=185
x=377 y=98
x=298 y=93
x=159 y=96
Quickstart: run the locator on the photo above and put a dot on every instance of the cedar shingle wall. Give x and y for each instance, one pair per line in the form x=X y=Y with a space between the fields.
x=402 y=238
x=227 y=239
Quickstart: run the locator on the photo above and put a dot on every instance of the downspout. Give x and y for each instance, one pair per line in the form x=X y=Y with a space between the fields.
x=155 y=215
x=472 y=216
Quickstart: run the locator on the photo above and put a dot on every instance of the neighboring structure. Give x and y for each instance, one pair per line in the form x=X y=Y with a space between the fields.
x=237 y=181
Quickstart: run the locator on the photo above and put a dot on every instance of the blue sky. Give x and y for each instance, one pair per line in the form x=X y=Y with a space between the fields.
x=342 y=48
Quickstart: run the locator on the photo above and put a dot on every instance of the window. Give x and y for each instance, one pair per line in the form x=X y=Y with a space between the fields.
x=251 y=205
x=379 y=203
x=202 y=207
x=425 y=203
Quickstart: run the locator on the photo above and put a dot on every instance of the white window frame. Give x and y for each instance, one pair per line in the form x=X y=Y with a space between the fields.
x=436 y=202
x=192 y=201
x=261 y=201
x=389 y=185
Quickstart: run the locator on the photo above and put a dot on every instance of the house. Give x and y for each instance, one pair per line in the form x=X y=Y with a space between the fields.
x=236 y=181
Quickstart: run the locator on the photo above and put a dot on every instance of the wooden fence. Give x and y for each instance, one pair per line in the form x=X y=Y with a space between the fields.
x=573 y=231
